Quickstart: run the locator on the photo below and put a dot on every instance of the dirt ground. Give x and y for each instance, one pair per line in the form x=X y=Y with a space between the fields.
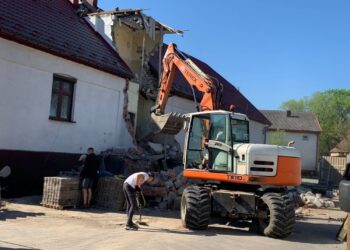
x=30 y=226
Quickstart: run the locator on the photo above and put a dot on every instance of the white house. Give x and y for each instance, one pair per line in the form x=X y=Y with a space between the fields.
x=61 y=91
x=301 y=127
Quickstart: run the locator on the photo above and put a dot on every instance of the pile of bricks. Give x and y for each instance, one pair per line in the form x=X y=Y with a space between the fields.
x=166 y=189
x=61 y=192
x=109 y=193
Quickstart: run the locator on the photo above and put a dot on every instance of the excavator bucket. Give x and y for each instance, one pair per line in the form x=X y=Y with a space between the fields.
x=170 y=123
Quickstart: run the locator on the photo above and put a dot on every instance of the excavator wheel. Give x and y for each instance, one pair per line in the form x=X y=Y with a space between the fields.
x=279 y=216
x=195 y=207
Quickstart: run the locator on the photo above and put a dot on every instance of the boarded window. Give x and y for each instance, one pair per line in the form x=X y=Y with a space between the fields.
x=62 y=98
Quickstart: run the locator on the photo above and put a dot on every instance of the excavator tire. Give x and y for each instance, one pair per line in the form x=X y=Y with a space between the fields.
x=195 y=207
x=280 y=215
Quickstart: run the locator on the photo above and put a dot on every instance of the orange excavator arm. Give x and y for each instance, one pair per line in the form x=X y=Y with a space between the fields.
x=211 y=88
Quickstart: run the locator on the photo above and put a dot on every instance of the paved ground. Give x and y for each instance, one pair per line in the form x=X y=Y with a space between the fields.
x=24 y=226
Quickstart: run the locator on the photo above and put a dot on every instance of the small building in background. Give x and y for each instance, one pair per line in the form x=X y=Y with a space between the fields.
x=343 y=148
x=301 y=127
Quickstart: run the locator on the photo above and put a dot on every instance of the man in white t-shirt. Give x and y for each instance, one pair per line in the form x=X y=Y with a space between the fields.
x=132 y=185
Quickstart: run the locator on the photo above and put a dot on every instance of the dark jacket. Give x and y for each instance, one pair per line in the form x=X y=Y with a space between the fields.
x=90 y=167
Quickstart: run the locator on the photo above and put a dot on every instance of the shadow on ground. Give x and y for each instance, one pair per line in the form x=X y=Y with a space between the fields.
x=210 y=231
x=171 y=214
x=10 y=214
x=13 y=246
x=310 y=231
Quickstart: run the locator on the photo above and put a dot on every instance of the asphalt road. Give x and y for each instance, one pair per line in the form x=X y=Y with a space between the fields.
x=24 y=226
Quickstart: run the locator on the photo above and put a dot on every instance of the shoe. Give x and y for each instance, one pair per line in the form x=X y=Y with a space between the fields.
x=134 y=225
x=131 y=227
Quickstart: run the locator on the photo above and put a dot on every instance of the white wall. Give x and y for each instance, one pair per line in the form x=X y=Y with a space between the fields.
x=308 y=149
x=25 y=94
x=103 y=24
x=256 y=132
x=182 y=105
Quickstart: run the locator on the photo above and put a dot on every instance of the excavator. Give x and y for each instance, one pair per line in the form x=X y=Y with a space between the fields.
x=240 y=181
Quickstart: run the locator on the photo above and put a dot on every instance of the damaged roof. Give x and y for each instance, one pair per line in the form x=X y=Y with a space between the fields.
x=293 y=121
x=53 y=26
x=137 y=20
x=230 y=94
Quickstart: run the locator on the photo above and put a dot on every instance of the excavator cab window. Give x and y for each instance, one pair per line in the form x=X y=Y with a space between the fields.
x=209 y=143
x=240 y=131
x=196 y=150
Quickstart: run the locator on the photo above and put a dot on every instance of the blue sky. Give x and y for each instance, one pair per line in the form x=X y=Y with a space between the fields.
x=271 y=50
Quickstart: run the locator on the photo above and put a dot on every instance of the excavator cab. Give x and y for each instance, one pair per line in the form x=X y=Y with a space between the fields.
x=210 y=138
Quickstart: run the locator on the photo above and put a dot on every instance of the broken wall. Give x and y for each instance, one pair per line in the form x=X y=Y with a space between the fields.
x=135 y=42
x=136 y=47
x=136 y=37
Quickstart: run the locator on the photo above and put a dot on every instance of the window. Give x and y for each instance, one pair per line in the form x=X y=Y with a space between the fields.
x=218 y=128
x=240 y=131
x=196 y=144
x=209 y=143
x=305 y=138
x=62 y=98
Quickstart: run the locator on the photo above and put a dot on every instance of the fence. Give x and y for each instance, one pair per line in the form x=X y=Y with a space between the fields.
x=331 y=170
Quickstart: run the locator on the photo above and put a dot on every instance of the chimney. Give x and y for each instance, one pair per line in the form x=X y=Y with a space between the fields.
x=289 y=113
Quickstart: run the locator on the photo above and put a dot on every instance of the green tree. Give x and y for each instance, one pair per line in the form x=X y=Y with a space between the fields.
x=332 y=108
x=301 y=105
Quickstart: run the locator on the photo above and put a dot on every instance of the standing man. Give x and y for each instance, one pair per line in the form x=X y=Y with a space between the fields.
x=88 y=175
x=132 y=185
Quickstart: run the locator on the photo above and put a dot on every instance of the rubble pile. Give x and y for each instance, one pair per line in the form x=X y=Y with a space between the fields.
x=166 y=188
x=311 y=200
x=316 y=200
x=165 y=191
x=163 y=159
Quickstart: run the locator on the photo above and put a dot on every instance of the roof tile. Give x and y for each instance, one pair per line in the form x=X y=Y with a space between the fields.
x=297 y=121
x=54 y=27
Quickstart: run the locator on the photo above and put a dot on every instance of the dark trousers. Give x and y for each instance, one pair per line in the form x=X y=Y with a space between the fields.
x=130 y=197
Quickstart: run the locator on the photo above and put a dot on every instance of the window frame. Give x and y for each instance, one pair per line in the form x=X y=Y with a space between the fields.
x=305 y=138
x=60 y=92
x=241 y=121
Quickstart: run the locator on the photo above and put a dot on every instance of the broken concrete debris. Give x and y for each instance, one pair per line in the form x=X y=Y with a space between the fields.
x=165 y=191
x=162 y=159
x=316 y=200
x=312 y=200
